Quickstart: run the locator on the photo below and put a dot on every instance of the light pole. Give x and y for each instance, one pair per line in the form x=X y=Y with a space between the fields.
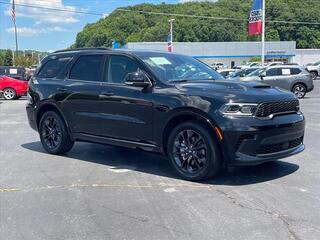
x=170 y=40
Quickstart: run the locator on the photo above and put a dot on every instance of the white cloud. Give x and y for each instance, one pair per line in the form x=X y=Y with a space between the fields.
x=42 y=15
x=30 y=32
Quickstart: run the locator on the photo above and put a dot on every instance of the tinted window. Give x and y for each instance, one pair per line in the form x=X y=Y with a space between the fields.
x=295 y=71
x=53 y=67
x=172 y=67
x=273 y=72
x=119 y=67
x=87 y=68
x=2 y=71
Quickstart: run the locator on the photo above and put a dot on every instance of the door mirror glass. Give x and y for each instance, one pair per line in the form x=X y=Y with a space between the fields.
x=137 y=79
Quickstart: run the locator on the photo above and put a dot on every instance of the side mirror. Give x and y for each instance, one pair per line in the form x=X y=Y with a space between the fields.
x=262 y=75
x=137 y=79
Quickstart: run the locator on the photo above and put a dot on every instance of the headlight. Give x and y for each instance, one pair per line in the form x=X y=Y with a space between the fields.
x=239 y=109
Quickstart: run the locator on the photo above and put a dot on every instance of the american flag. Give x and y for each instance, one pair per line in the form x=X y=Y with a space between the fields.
x=13 y=13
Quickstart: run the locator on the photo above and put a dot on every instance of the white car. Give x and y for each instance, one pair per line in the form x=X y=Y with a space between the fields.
x=249 y=65
x=218 y=65
x=226 y=72
x=314 y=69
x=270 y=64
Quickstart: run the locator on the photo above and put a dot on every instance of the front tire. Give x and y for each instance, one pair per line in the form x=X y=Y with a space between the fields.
x=9 y=94
x=54 y=134
x=193 y=152
x=299 y=90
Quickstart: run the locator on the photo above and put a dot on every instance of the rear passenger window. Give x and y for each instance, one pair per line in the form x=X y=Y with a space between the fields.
x=295 y=71
x=53 y=67
x=273 y=72
x=87 y=68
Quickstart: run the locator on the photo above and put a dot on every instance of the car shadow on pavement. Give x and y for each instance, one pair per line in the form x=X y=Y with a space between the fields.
x=136 y=160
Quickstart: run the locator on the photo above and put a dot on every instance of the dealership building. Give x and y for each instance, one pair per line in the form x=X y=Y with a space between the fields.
x=230 y=53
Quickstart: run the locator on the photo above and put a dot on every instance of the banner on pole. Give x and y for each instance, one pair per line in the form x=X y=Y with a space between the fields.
x=255 y=19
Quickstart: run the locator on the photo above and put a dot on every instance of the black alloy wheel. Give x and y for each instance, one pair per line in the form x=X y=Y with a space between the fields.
x=190 y=151
x=54 y=135
x=51 y=132
x=193 y=152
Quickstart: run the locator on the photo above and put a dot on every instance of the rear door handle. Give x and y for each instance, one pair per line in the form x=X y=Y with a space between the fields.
x=61 y=89
x=107 y=94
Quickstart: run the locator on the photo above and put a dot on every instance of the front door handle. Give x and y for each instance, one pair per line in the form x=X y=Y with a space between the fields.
x=107 y=94
x=61 y=89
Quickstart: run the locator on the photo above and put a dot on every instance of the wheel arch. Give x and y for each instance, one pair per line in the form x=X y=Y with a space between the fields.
x=189 y=114
x=298 y=82
x=45 y=107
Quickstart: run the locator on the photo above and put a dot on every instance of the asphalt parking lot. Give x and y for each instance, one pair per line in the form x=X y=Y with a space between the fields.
x=101 y=192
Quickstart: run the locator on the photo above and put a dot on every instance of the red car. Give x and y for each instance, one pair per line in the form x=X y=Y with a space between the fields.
x=12 y=88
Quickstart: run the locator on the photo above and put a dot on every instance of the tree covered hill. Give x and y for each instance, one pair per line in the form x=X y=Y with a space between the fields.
x=126 y=26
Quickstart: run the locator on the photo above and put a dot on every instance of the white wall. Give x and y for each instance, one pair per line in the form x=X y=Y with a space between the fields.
x=305 y=56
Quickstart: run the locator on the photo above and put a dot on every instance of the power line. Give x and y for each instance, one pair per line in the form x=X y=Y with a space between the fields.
x=54 y=9
x=155 y=13
x=210 y=17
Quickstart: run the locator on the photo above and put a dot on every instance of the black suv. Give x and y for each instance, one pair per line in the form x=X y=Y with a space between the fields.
x=166 y=103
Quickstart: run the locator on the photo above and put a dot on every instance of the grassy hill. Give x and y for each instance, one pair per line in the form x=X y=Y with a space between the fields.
x=135 y=27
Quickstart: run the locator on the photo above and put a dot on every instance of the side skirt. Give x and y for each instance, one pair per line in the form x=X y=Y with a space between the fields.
x=115 y=142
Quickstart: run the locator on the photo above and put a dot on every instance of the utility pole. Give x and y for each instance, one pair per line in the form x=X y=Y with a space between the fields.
x=170 y=37
x=263 y=31
x=13 y=58
x=13 y=15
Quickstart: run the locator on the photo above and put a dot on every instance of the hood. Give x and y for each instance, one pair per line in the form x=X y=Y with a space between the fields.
x=240 y=91
x=312 y=67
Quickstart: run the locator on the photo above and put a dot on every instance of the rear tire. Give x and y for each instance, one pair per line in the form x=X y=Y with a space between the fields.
x=193 y=152
x=9 y=94
x=299 y=90
x=314 y=75
x=54 y=135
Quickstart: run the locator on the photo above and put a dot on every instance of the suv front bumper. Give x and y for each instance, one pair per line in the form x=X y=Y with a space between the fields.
x=254 y=141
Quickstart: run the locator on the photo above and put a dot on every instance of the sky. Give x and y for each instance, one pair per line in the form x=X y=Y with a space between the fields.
x=48 y=30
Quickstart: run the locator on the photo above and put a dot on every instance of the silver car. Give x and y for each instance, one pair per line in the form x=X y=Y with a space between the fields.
x=293 y=78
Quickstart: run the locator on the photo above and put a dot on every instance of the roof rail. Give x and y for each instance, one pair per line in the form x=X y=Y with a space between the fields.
x=81 y=49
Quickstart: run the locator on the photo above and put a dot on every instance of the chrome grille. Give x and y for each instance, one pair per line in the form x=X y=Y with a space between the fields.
x=267 y=109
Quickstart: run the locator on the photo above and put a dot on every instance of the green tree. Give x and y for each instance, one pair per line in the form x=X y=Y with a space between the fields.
x=126 y=26
x=8 y=58
x=1 y=58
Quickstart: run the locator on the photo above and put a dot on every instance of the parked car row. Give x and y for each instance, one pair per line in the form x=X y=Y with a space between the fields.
x=291 y=77
x=14 y=81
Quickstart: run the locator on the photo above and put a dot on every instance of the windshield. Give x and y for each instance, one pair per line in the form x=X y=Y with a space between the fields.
x=172 y=67
x=316 y=63
x=257 y=72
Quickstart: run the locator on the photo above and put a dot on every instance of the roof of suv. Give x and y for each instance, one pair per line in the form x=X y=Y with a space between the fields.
x=77 y=50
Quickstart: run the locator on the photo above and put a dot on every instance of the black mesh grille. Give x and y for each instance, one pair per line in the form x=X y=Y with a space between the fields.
x=273 y=148
x=266 y=109
x=241 y=138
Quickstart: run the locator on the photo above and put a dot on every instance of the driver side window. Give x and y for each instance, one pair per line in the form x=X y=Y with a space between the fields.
x=119 y=67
